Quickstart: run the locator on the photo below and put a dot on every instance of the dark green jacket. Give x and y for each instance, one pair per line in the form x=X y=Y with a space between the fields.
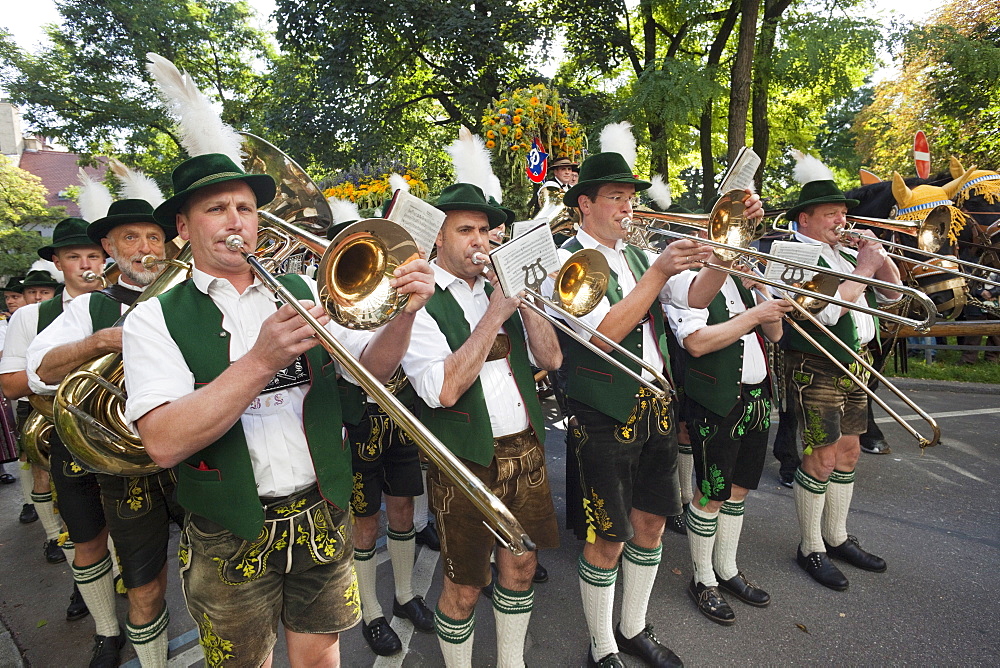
x=218 y=481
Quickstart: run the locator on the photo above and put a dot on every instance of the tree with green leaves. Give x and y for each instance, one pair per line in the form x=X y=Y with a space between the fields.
x=23 y=210
x=90 y=90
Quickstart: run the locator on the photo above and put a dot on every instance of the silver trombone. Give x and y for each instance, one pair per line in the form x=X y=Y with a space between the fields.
x=579 y=286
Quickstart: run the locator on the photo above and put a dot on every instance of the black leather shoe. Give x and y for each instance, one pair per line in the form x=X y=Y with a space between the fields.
x=746 y=591
x=610 y=661
x=648 y=648
x=541 y=574
x=428 y=537
x=488 y=589
x=77 y=608
x=821 y=569
x=53 y=553
x=28 y=514
x=106 y=650
x=417 y=612
x=677 y=524
x=876 y=447
x=786 y=479
x=852 y=553
x=380 y=637
x=711 y=603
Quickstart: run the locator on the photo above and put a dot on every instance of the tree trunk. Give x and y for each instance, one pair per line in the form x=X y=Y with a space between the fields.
x=705 y=124
x=762 y=83
x=739 y=81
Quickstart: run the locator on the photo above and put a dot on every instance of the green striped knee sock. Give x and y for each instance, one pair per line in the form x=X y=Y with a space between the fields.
x=639 y=566
x=47 y=514
x=838 y=503
x=402 y=547
x=810 y=497
x=150 y=640
x=365 y=567
x=455 y=638
x=702 y=527
x=512 y=610
x=98 y=591
x=727 y=539
x=597 y=589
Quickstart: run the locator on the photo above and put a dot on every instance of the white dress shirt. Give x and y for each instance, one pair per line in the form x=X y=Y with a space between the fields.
x=619 y=265
x=424 y=361
x=156 y=373
x=72 y=325
x=864 y=323
x=21 y=330
x=687 y=321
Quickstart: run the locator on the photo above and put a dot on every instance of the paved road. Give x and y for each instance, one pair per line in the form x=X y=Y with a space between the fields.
x=935 y=517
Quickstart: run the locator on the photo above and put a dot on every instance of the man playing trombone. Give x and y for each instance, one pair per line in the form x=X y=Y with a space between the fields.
x=469 y=364
x=623 y=433
x=830 y=408
x=229 y=387
x=137 y=510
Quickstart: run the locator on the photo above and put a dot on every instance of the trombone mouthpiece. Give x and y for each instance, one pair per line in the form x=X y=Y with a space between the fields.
x=89 y=276
x=479 y=258
x=625 y=223
x=234 y=242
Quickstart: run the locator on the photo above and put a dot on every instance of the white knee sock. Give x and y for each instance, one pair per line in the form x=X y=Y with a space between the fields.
x=727 y=539
x=810 y=497
x=702 y=527
x=98 y=592
x=838 y=503
x=597 y=589
x=150 y=640
x=402 y=547
x=512 y=610
x=639 y=566
x=365 y=566
x=685 y=470
x=47 y=514
x=26 y=482
x=455 y=637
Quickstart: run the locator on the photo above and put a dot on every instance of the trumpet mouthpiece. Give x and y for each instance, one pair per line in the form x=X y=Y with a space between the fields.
x=625 y=223
x=89 y=276
x=479 y=258
x=149 y=262
x=234 y=242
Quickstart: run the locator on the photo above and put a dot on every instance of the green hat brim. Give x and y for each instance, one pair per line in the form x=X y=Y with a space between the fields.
x=572 y=195
x=793 y=213
x=46 y=252
x=100 y=228
x=262 y=185
x=495 y=216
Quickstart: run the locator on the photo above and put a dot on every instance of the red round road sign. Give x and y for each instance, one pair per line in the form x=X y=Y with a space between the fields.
x=922 y=155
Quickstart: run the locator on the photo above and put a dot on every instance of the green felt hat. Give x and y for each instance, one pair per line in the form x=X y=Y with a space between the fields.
x=469 y=197
x=819 y=192
x=69 y=232
x=14 y=284
x=39 y=278
x=127 y=211
x=603 y=168
x=511 y=216
x=206 y=170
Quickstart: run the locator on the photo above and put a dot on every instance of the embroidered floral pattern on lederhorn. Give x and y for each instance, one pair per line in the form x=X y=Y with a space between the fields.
x=217 y=650
x=325 y=543
x=597 y=516
x=251 y=561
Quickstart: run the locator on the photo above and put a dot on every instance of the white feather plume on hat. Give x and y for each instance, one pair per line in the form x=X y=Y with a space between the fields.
x=809 y=169
x=397 y=182
x=201 y=127
x=659 y=192
x=95 y=198
x=471 y=159
x=343 y=210
x=50 y=267
x=618 y=138
x=136 y=185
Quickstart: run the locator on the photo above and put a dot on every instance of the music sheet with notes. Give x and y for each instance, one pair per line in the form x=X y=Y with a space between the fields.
x=740 y=174
x=422 y=220
x=526 y=260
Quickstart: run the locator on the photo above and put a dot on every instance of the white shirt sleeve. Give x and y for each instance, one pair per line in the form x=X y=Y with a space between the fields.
x=155 y=370
x=424 y=360
x=21 y=329
x=72 y=325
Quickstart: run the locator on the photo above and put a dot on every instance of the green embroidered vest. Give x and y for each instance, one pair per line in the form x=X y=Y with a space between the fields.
x=218 y=482
x=48 y=311
x=844 y=329
x=465 y=426
x=594 y=381
x=714 y=380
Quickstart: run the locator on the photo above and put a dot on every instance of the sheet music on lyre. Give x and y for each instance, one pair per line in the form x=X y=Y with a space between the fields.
x=740 y=174
x=525 y=261
x=792 y=250
x=521 y=226
x=422 y=220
